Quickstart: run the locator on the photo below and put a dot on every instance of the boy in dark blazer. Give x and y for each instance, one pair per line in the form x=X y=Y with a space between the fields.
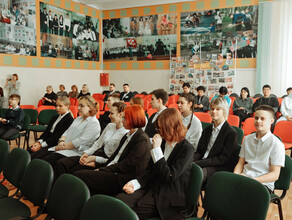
x=201 y=102
x=158 y=101
x=126 y=95
x=218 y=143
x=13 y=120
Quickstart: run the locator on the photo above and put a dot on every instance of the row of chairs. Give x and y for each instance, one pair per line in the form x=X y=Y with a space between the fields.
x=67 y=199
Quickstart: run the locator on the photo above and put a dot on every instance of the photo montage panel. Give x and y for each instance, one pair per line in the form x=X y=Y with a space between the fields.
x=18 y=27
x=150 y=37
x=68 y=35
x=220 y=31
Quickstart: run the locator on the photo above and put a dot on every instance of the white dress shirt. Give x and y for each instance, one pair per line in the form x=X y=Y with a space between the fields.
x=82 y=133
x=215 y=132
x=117 y=157
x=109 y=139
x=260 y=154
x=195 y=130
x=286 y=108
x=158 y=113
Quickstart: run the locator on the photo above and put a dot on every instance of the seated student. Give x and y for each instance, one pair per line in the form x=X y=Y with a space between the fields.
x=187 y=89
x=74 y=92
x=62 y=91
x=223 y=94
x=161 y=189
x=104 y=119
x=139 y=101
x=262 y=154
x=3 y=99
x=112 y=90
x=50 y=97
x=191 y=122
x=158 y=101
x=286 y=107
x=126 y=95
x=84 y=91
x=218 y=142
x=80 y=136
x=267 y=99
x=102 y=149
x=127 y=162
x=242 y=106
x=13 y=120
x=56 y=127
x=201 y=101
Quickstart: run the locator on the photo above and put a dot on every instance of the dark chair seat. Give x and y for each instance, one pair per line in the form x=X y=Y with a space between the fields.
x=11 y=207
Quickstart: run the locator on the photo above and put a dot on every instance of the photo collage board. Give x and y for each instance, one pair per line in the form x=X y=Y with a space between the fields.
x=67 y=34
x=18 y=27
x=227 y=31
x=212 y=74
x=141 y=38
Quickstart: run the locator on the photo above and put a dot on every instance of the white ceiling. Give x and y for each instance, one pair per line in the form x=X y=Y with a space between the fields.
x=117 y=4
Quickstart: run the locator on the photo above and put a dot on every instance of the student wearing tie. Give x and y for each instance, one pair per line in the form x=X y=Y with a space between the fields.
x=126 y=95
x=160 y=191
x=127 y=162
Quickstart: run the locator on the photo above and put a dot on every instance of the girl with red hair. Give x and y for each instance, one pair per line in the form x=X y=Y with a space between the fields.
x=129 y=159
x=161 y=190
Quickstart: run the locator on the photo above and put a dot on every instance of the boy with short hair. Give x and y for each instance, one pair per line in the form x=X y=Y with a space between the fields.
x=201 y=102
x=262 y=154
x=158 y=101
x=13 y=121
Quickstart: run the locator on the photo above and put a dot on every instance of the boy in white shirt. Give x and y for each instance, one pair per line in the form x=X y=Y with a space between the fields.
x=262 y=154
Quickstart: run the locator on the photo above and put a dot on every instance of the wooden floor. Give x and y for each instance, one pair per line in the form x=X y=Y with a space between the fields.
x=272 y=212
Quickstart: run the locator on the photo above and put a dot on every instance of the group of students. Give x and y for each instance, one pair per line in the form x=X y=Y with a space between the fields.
x=146 y=162
x=243 y=106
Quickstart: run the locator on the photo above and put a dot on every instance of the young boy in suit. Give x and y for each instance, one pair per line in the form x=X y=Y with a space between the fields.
x=262 y=154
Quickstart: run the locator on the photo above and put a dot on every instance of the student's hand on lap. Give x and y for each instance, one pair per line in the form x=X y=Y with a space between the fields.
x=36 y=147
x=90 y=164
x=156 y=141
x=129 y=188
x=82 y=160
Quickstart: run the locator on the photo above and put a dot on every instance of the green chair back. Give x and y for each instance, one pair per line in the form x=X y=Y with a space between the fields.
x=26 y=123
x=33 y=114
x=205 y=124
x=15 y=165
x=283 y=183
x=230 y=196
x=4 y=151
x=67 y=198
x=106 y=207
x=37 y=181
x=195 y=184
x=46 y=115
x=240 y=134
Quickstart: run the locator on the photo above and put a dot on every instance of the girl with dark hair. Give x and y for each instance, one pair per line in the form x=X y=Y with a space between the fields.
x=161 y=190
x=191 y=122
x=242 y=106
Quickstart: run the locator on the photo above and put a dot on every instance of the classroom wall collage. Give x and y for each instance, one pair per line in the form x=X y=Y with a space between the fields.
x=66 y=34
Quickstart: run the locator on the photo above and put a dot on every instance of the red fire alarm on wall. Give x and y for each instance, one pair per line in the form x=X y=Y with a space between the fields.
x=104 y=79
